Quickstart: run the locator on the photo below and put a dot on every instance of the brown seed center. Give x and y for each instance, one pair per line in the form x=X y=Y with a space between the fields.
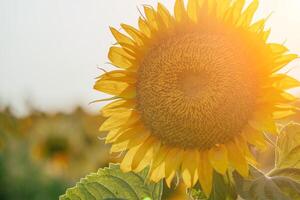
x=196 y=90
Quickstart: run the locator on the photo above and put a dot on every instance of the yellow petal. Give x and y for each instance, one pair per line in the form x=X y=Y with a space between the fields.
x=248 y=14
x=286 y=82
x=237 y=8
x=119 y=147
x=164 y=14
x=263 y=121
x=234 y=13
x=267 y=125
x=283 y=114
x=117 y=106
x=121 y=59
x=151 y=17
x=128 y=133
x=119 y=75
x=237 y=159
x=172 y=162
x=258 y=26
x=222 y=7
x=201 y=4
x=135 y=34
x=192 y=10
x=211 y=6
x=277 y=48
x=112 y=135
x=218 y=158
x=127 y=160
x=121 y=38
x=158 y=161
x=179 y=10
x=158 y=173
x=139 y=138
x=283 y=61
x=117 y=88
x=273 y=96
x=255 y=138
x=111 y=86
x=265 y=35
x=189 y=167
x=144 y=28
x=243 y=145
x=205 y=173
x=145 y=148
x=149 y=156
x=160 y=157
x=173 y=157
x=289 y=97
x=170 y=178
x=123 y=118
x=286 y=107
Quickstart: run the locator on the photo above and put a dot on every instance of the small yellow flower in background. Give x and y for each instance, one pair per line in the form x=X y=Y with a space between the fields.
x=193 y=90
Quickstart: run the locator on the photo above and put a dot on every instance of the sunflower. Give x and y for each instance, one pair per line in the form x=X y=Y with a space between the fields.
x=62 y=143
x=193 y=91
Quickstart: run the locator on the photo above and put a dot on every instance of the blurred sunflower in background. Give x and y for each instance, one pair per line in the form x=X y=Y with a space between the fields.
x=194 y=90
x=42 y=154
x=61 y=143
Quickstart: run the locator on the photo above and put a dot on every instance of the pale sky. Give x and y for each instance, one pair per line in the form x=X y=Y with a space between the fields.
x=50 y=49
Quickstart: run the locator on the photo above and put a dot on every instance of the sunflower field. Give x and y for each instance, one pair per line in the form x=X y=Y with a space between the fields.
x=43 y=154
x=197 y=105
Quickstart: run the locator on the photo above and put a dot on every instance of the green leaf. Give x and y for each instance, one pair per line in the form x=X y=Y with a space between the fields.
x=261 y=187
x=288 y=153
x=222 y=189
x=288 y=147
x=112 y=184
x=197 y=194
x=293 y=173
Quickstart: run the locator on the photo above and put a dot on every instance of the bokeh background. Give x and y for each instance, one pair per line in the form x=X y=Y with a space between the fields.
x=50 y=53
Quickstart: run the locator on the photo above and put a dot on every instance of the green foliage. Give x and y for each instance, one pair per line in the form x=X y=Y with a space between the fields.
x=42 y=154
x=262 y=187
x=197 y=194
x=20 y=179
x=283 y=182
x=112 y=183
x=293 y=173
x=222 y=189
x=288 y=151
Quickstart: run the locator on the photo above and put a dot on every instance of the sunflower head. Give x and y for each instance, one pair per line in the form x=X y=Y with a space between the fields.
x=194 y=90
x=52 y=146
x=61 y=143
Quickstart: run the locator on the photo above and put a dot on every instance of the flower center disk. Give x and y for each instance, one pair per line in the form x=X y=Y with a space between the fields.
x=196 y=90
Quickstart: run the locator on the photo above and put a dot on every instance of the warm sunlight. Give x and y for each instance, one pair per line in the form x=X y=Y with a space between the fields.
x=150 y=100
